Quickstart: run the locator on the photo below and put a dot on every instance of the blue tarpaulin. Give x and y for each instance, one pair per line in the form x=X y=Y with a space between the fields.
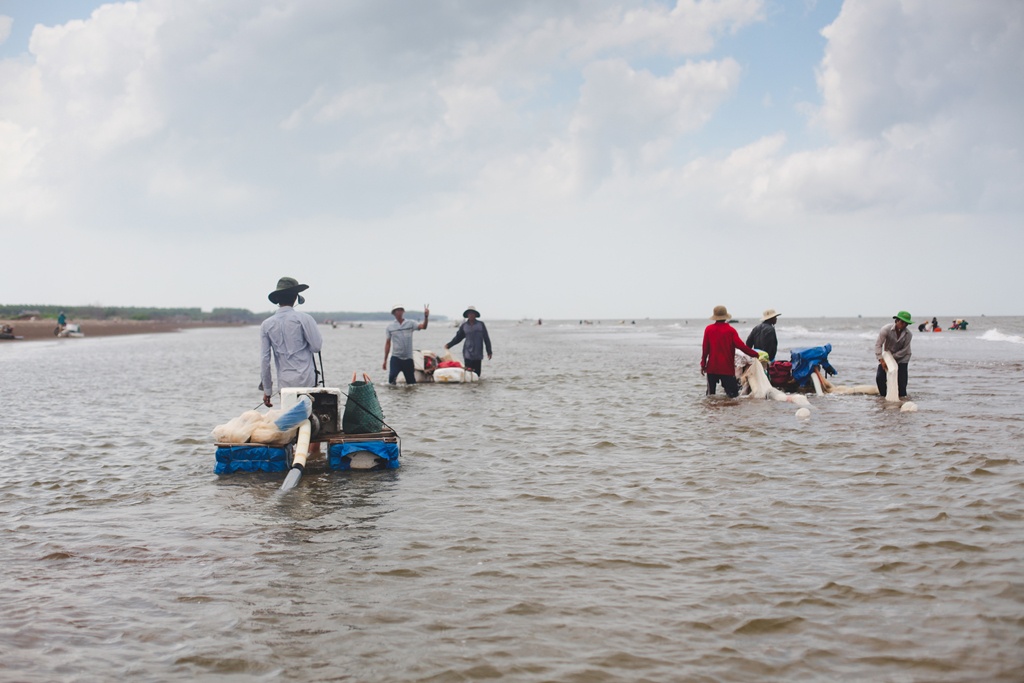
x=339 y=454
x=805 y=360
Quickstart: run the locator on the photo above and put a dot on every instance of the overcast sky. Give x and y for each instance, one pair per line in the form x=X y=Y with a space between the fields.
x=570 y=159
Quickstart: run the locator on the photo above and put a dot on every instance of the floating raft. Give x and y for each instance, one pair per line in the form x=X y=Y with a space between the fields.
x=379 y=450
x=375 y=451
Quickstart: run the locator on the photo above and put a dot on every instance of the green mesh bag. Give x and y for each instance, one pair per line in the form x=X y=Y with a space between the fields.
x=363 y=414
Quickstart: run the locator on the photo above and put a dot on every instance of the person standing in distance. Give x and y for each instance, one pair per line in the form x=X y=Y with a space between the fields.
x=475 y=333
x=400 y=331
x=763 y=336
x=717 y=359
x=894 y=338
x=292 y=338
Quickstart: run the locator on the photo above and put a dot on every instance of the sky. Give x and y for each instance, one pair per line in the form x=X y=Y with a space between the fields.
x=562 y=160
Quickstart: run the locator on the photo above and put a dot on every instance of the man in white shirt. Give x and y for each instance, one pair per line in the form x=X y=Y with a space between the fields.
x=292 y=337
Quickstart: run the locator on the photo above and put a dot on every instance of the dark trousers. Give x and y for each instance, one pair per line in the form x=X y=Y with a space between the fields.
x=404 y=366
x=474 y=365
x=730 y=384
x=901 y=379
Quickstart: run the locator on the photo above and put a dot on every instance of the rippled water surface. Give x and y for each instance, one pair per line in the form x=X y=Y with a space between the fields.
x=583 y=514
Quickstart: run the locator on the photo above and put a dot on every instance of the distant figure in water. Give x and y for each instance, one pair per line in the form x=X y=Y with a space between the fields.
x=717 y=359
x=894 y=338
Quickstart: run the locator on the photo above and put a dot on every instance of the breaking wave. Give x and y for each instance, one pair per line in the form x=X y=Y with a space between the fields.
x=996 y=335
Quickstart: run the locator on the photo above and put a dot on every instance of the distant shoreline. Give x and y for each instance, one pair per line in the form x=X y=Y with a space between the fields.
x=41 y=330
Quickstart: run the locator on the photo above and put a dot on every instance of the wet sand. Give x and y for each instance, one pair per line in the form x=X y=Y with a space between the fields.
x=34 y=330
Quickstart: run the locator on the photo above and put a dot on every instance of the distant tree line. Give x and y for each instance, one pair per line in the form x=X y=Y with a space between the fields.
x=240 y=316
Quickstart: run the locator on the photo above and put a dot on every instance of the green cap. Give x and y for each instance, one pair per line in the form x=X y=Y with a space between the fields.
x=904 y=316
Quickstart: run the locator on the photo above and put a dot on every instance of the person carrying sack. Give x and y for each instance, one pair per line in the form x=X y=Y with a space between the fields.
x=894 y=338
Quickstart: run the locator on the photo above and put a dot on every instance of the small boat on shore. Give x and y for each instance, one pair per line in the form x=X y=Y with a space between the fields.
x=7 y=332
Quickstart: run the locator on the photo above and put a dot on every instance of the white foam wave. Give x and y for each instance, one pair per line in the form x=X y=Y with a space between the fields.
x=996 y=335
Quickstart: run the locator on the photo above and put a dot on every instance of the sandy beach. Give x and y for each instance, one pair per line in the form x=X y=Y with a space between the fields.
x=34 y=330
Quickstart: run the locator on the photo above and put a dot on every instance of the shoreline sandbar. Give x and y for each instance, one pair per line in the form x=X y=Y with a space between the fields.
x=35 y=330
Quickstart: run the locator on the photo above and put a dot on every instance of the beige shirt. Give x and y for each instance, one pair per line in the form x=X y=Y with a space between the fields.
x=896 y=343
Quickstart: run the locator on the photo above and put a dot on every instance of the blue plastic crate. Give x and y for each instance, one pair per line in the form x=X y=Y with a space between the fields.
x=251 y=458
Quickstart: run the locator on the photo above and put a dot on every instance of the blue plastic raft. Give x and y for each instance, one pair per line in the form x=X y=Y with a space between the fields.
x=256 y=457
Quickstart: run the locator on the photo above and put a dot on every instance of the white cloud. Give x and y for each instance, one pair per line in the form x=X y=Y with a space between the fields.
x=923 y=100
x=622 y=112
x=522 y=129
x=5 y=28
x=909 y=62
x=922 y=104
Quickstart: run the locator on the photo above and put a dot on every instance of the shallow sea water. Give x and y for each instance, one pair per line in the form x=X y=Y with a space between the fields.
x=583 y=514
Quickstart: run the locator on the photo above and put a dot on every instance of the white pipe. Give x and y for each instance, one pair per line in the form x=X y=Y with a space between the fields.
x=299 y=458
x=817 y=383
x=302 y=445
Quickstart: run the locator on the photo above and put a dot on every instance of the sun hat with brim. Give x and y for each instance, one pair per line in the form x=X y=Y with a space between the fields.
x=287 y=286
x=769 y=314
x=904 y=316
x=721 y=313
x=471 y=309
x=396 y=307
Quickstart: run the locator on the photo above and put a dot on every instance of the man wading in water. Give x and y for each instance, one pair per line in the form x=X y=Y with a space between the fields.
x=894 y=338
x=401 y=354
x=293 y=338
x=717 y=359
x=475 y=333
x=763 y=336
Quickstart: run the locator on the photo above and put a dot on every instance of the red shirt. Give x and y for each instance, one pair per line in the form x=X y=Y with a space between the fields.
x=720 y=343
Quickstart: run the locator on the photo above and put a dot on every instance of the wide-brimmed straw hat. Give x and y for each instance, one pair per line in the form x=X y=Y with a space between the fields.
x=904 y=316
x=471 y=309
x=287 y=286
x=721 y=313
x=769 y=314
x=396 y=307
